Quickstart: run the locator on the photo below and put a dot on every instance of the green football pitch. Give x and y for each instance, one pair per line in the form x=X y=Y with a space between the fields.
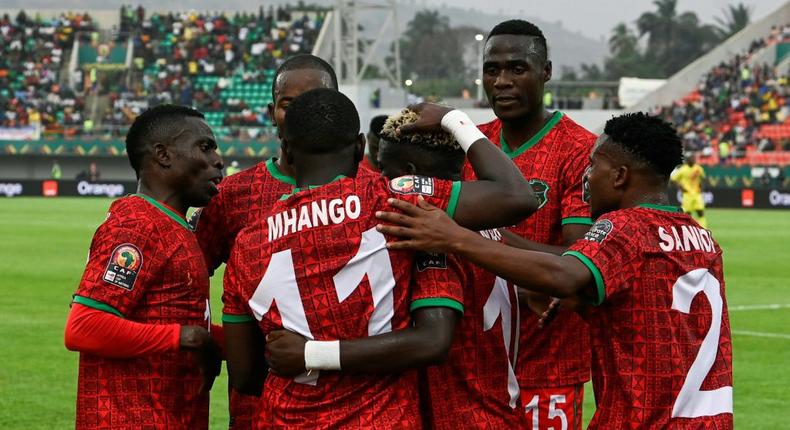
x=44 y=244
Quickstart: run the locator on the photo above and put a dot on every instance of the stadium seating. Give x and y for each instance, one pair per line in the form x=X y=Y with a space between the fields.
x=740 y=112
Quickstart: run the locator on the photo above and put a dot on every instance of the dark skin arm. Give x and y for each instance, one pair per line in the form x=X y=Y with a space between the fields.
x=205 y=352
x=425 y=343
x=500 y=196
x=246 y=362
x=430 y=229
x=541 y=304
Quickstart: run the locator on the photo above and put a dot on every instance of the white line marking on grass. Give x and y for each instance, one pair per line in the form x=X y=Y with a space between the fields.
x=761 y=334
x=770 y=307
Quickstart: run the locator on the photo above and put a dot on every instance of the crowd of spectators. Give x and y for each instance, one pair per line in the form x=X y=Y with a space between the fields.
x=726 y=116
x=32 y=55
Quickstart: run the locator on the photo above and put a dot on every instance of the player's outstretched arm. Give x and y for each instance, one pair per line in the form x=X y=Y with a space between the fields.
x=244 y=348
x=501 y=196
x=425 y=343
x=104 y=334
x=429 y=229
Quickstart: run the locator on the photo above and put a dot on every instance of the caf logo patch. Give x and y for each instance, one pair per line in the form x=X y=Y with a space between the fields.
x=412 y=185
x=541 y=190
x=599 y=231
x=125 y=263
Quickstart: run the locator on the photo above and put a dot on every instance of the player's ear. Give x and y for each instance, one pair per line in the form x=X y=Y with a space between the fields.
x=161 y=154
x=547 y=70
x=359 y=151
x=620 y=176
x=411 y=169
x=270 y=109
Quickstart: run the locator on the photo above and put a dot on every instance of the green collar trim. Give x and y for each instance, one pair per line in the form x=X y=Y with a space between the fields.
x=166 y=211
x=665 y=208
x=277 y=174
x=534 y=140
x=309 y=187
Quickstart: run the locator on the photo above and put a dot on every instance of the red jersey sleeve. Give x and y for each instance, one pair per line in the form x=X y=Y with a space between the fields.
x=213 y=232
x=610 y=253
x=234 y=307
x=438 y=192
x=575 y=199
x=438 y=280
x=121 y=263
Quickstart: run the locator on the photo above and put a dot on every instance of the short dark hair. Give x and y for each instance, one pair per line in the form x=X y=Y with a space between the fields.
x=321 y=120
x=155 y=124
x=519 y=27
x=648 y=139
x=302 y=62
x=376 y=124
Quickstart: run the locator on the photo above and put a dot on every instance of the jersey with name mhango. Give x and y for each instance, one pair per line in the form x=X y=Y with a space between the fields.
x=662 y=351
x=317 y=266
x=243 y=199
x=145 y=265
x=554 y=162
x=476 y=387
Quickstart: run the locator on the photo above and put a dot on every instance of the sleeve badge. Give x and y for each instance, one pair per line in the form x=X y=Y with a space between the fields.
x=412 y=185
x=125 y=263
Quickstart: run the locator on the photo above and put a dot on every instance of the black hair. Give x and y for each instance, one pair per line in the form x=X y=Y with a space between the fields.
x=302 y=62
x=519 y=27
x=376 y=124
x=158 y=123
x=321 y=120
x=648 y=139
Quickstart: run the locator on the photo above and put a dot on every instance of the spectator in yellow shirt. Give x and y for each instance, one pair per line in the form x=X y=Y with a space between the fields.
x=688 y=178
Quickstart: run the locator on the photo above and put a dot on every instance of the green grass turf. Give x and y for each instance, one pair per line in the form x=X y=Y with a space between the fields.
x=44 y=244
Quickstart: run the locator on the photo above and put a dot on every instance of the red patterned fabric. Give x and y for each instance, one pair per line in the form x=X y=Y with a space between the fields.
x=170 y=286
x=326 y=274
x=662 y=323
x=471 y=389
x=554 y=163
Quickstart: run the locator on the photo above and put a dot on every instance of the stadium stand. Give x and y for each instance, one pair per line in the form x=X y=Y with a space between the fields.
x=218 y=63
x=740 y=112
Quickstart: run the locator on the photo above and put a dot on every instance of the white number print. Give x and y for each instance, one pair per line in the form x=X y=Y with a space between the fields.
x=278 y=286
x=555 y=399
x=499 y=305
x=691 y=401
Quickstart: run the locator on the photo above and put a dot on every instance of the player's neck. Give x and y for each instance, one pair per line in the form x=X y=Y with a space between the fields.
x=316 y=174
x=641 y=197
x=284 y=167
x=518 y=131
x=168 y=198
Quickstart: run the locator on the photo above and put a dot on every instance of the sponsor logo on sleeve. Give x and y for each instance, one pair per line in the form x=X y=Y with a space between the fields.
x=412 y=185
x=430 y=260
x=124 y=265
x=599 y=231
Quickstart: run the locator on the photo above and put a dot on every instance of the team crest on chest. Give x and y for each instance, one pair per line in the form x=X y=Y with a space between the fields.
x=124 y=265
x=541 y=190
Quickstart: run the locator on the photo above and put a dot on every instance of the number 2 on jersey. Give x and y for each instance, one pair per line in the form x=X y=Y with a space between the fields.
x=691 y=401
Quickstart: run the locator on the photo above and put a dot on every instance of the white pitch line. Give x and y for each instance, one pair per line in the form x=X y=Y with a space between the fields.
x=773 y=306
x=761 y=334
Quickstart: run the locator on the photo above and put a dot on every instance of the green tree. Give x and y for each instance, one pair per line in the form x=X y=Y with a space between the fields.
x=735 y=19
x=429 y=48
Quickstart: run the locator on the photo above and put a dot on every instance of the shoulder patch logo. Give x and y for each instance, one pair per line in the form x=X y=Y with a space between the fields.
x=125 y=263
x=412 y=185
x=430 y=260
x=599 y=231
x=541 y=190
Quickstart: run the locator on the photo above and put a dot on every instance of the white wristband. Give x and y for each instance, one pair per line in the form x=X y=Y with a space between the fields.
x=322 y=355
x=462 y=128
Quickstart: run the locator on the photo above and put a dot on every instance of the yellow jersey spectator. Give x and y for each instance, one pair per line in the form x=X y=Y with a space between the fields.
x=688 y=178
